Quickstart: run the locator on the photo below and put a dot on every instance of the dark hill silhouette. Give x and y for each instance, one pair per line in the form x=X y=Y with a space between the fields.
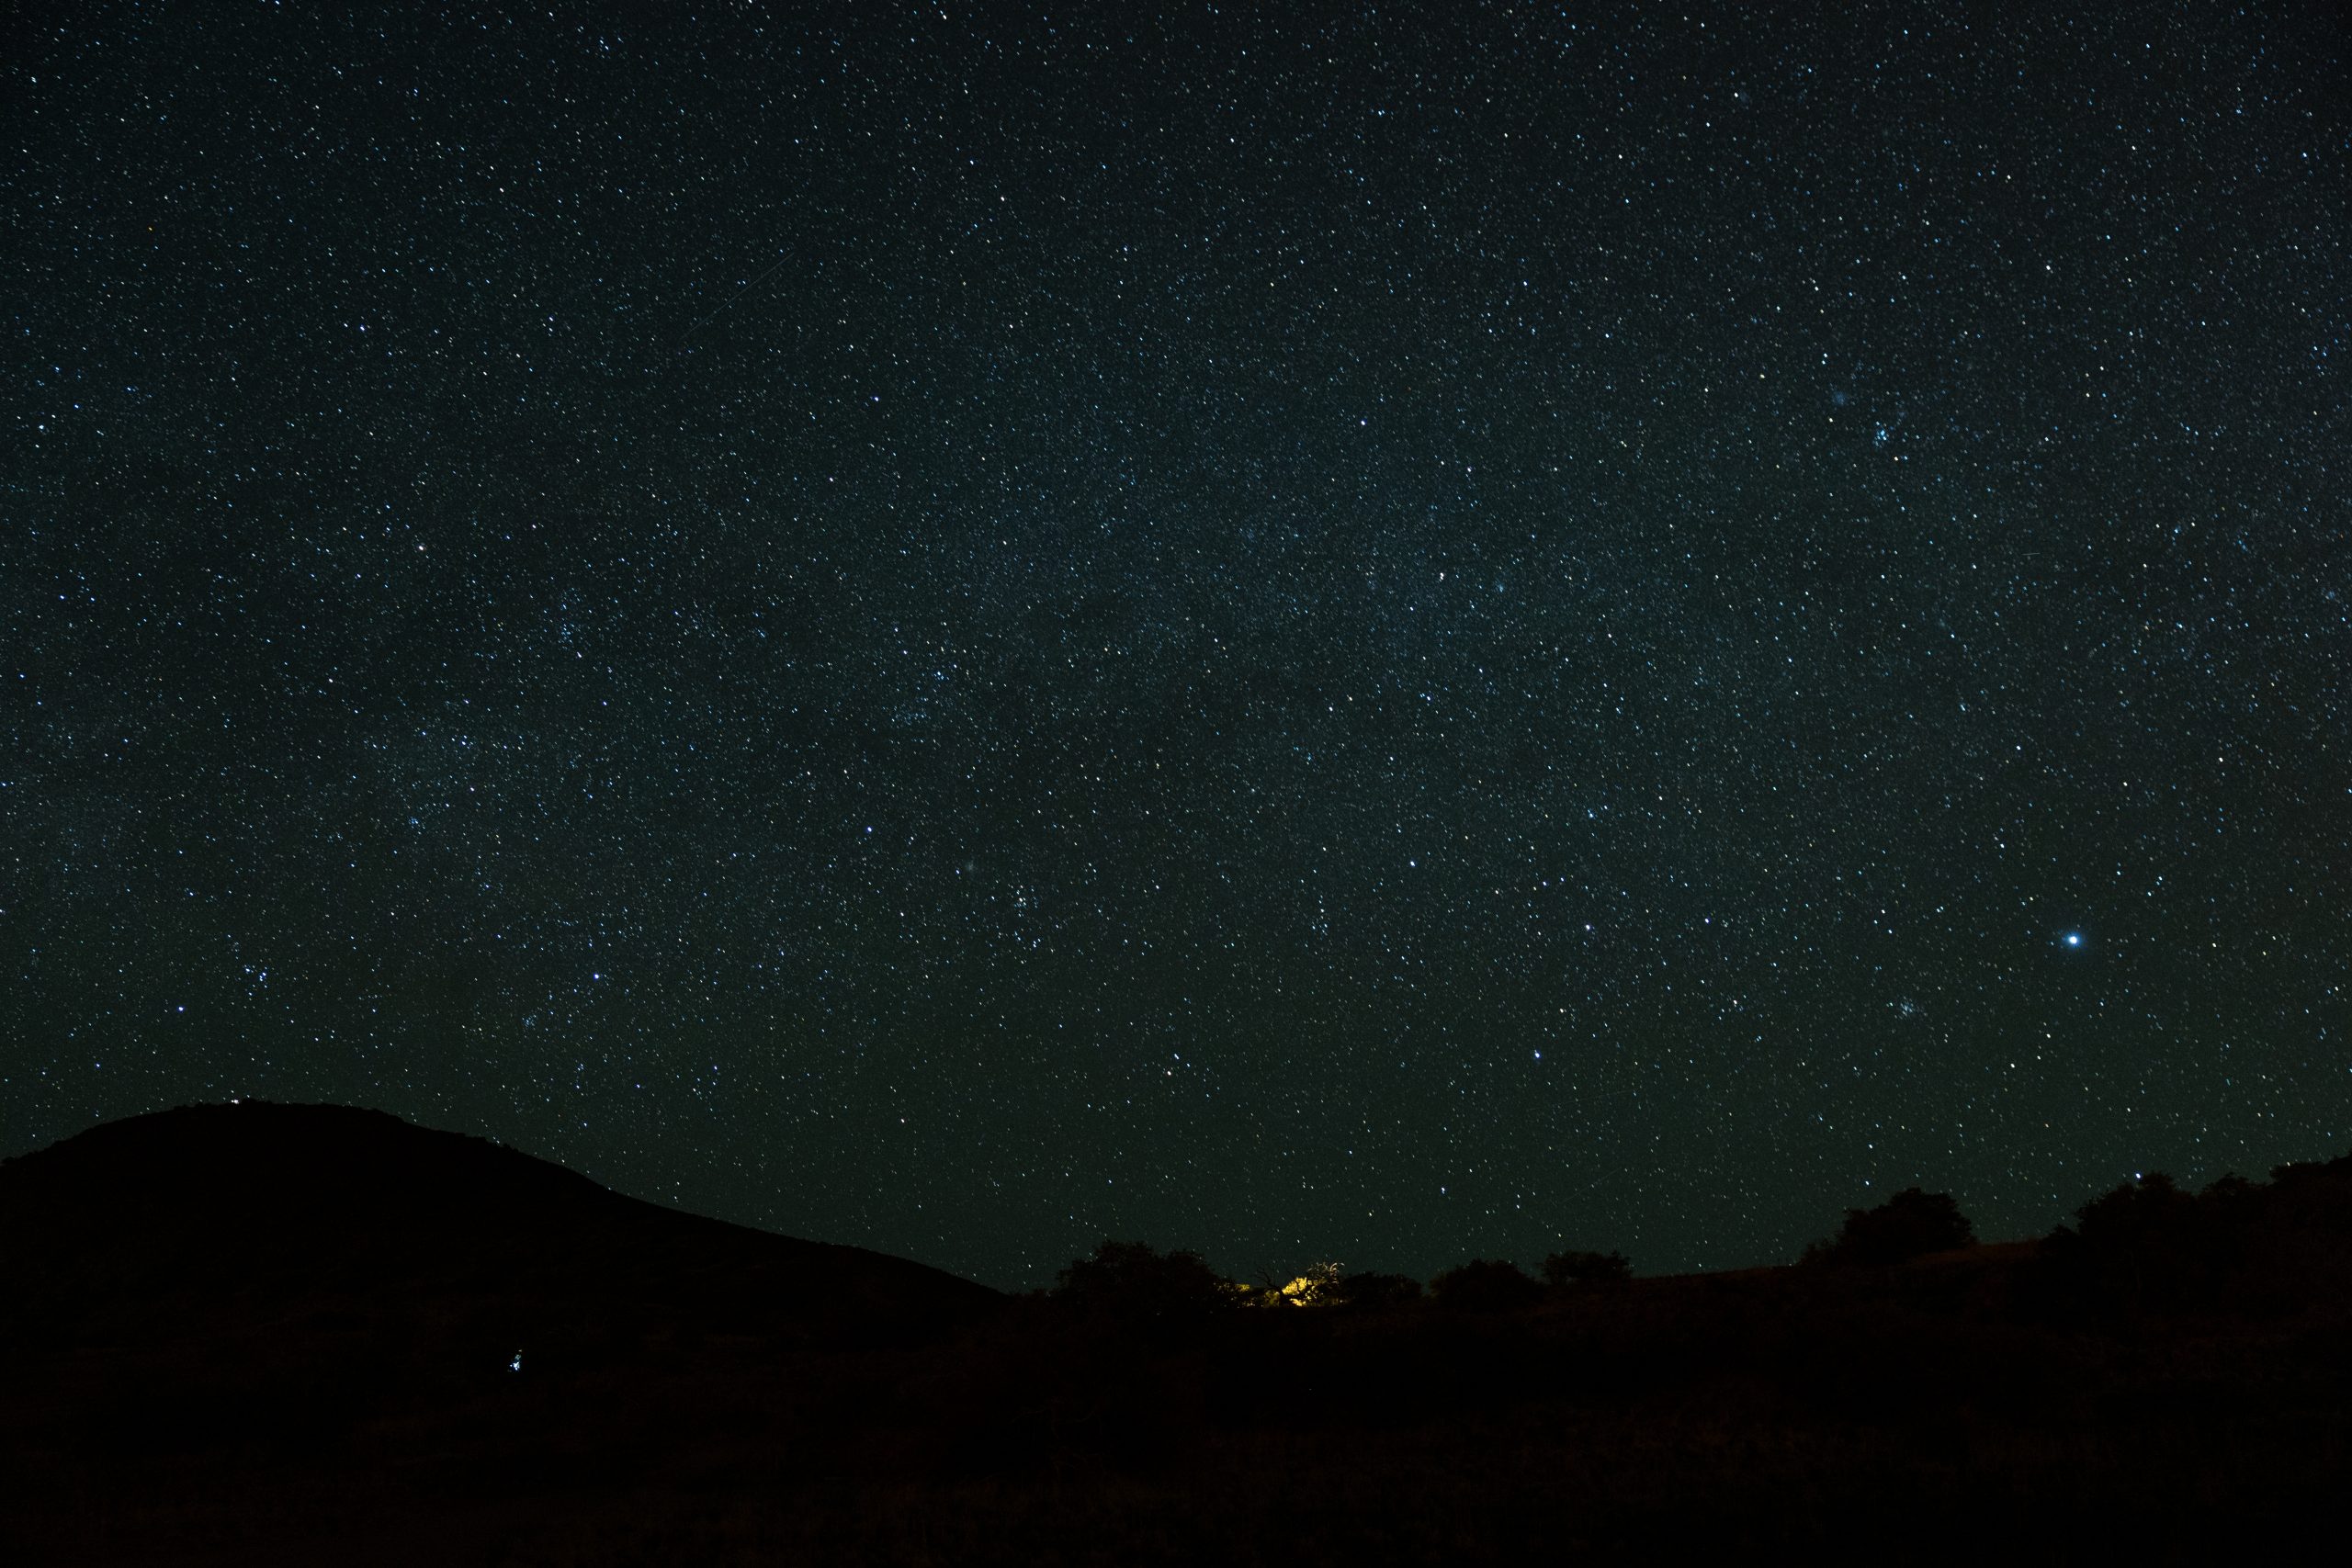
x=162 y=1224
x=309 y=1333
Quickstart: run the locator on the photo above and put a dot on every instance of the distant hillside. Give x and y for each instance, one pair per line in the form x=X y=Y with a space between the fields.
x=162 y=1224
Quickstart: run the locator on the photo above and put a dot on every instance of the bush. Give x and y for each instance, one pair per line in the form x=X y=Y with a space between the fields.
x=1910 y=1224
x=1481 y=1285
x=1587 y=1269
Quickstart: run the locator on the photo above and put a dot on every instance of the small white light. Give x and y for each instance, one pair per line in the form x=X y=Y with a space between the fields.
x=516 y=1364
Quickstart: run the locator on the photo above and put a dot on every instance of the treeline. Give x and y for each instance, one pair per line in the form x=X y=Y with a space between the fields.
x=2147 y=1244
x=2247 y=1249
x=1131 y=1279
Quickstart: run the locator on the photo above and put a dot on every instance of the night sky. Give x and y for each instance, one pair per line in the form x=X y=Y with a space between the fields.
x=1454 y=632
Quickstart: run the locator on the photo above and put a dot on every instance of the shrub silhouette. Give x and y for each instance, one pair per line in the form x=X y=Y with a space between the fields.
x=1129 y=1281
x=1483 y=1285
x=1910 y=1224
x=1587 y=1269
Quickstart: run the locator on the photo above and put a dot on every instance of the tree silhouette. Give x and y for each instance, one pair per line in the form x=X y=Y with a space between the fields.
x=1912 y=1223
x=1377 y=1290
x=2149 y=1245
x=1131 y=1282
x=1484 y=1285
x=1315 y=1285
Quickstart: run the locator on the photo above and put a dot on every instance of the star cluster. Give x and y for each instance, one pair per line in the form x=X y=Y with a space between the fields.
x=1450 y=632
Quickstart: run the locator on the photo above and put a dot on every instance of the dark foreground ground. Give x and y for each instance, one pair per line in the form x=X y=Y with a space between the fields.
x=266 y=1333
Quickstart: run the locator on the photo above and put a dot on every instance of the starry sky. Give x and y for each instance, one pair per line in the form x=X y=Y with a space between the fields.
x=1388 y=636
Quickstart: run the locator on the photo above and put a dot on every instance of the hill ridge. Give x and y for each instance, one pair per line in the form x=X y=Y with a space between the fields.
x=260 y=1197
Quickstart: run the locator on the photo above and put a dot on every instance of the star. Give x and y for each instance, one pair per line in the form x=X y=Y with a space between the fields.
x=1040 y=535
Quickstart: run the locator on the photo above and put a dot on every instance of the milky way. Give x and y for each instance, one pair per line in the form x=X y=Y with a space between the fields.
x=1451 y=634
